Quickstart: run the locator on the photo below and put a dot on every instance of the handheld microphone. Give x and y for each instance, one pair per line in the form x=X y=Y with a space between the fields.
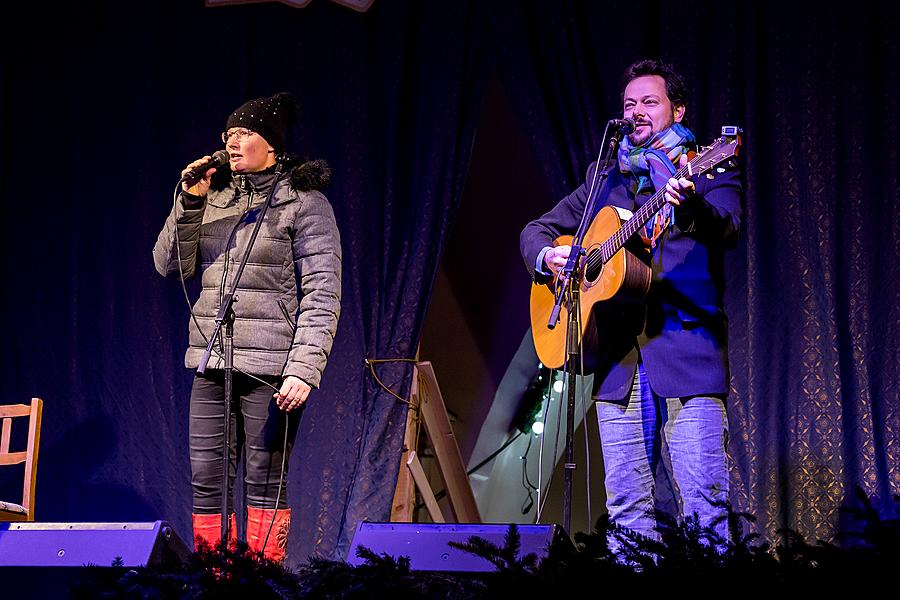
x=624 y=126
x=218 y=158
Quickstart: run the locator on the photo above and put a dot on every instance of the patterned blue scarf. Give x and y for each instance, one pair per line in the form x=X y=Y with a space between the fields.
x=650 y=166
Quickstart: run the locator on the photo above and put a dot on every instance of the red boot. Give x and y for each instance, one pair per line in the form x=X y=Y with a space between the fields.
x=258 y=522
x=209 y=529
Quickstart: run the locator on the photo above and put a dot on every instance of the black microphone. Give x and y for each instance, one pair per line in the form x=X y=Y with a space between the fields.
x=219 y=158
x=625 y=126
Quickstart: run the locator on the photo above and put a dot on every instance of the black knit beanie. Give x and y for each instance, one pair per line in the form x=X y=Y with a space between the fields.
x=269 y=117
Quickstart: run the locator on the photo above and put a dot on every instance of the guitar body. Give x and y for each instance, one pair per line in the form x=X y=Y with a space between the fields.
x=625 y=277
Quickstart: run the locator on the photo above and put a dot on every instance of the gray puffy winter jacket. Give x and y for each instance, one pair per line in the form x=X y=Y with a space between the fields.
x=288 y=300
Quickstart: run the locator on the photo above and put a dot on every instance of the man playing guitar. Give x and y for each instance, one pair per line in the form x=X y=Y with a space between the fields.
x=660 y=366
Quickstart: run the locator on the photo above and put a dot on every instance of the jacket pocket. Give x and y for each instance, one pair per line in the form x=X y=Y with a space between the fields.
x=286 y=314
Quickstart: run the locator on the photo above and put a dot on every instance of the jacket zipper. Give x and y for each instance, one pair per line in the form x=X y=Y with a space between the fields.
x=231 y=236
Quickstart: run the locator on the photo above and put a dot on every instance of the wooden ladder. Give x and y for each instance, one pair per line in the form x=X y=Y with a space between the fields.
x=427 y=406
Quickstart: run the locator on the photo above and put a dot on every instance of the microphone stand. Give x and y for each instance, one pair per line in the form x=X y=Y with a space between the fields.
x=568 y=290
x=225 y=317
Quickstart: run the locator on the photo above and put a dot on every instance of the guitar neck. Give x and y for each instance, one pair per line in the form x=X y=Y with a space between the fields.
x=642 y=216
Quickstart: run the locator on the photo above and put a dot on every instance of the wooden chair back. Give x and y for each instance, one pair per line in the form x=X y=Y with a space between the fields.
x=10 y=511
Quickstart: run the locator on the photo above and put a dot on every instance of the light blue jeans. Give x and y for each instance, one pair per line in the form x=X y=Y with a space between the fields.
x=636 y=433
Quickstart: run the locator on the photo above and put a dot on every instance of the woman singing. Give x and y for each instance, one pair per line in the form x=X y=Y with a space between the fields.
x=286 y=313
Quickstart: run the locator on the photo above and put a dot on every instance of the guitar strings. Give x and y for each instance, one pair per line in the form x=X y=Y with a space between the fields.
x=615 y=242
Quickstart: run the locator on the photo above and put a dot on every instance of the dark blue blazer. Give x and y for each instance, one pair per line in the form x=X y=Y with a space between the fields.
x=681 y=331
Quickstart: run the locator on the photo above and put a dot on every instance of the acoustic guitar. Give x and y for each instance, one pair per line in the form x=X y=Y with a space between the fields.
x=616 y=265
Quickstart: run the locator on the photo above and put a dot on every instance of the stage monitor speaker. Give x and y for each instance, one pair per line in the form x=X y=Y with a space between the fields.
x=80 y=544
x=426 y=544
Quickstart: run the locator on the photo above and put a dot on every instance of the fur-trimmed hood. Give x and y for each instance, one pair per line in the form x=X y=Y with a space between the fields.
x=305 y=174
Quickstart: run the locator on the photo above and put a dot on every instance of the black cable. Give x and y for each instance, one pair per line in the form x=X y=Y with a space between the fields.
x=579 y=235
x=371 y=362
x=281 y=480
x=493 y=455
x=556 y=439
x=528 y=503
x=527 y=479
x=546 y=414
x=584 y=411
x=584 y=217
x=191 y=307
x=218 y=354
x=579 y=321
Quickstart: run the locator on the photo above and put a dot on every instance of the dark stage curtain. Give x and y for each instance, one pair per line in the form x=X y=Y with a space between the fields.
x=816 y=346
x=813 y=285
x=99 y=119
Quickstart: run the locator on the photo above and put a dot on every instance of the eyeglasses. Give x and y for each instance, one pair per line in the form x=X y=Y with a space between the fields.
x=241 y=133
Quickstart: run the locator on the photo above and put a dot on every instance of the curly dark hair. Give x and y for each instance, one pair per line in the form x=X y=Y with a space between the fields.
x=675 y=88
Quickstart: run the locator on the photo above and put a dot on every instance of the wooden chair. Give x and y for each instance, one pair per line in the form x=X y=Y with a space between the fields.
x=25 y=511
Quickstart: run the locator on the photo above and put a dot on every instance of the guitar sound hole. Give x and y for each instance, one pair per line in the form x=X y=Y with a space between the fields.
x=592 y=271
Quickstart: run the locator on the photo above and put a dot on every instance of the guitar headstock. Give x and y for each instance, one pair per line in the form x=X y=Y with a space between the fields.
x=723 y=149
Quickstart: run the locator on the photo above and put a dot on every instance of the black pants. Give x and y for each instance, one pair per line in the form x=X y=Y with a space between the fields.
x=257 y=429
